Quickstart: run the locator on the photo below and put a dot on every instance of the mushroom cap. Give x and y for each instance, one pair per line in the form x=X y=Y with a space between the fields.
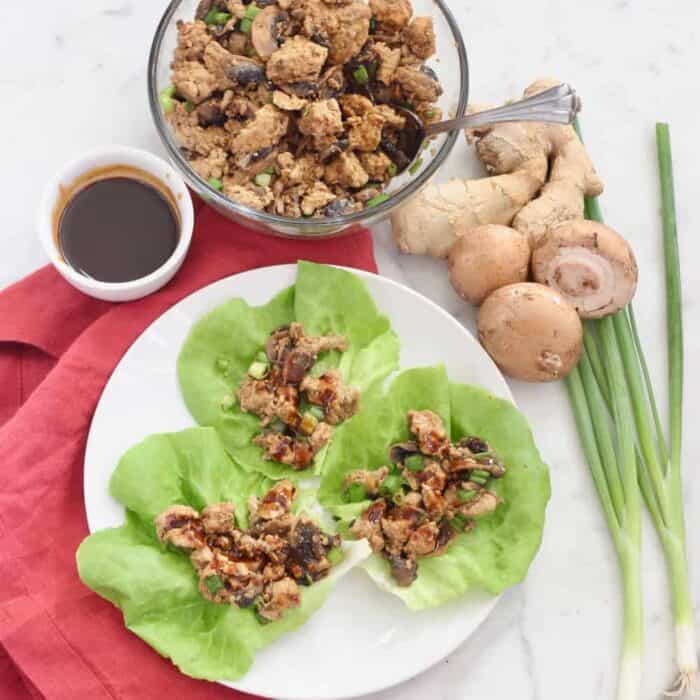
x=531 y=332
x=589 y=264
x=485 y=258
x=263 y=32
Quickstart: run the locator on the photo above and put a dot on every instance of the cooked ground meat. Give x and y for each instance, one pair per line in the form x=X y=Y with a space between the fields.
x=261 y=566
x=268 y=102
x=276 y=384
x=433 y=491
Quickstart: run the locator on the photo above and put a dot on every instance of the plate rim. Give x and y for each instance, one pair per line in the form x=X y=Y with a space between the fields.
x=506 y=393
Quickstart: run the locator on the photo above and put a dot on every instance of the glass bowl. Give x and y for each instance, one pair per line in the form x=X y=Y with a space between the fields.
x=450 y=64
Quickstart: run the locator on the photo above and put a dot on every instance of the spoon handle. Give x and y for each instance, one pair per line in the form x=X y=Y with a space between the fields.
x=557 y=105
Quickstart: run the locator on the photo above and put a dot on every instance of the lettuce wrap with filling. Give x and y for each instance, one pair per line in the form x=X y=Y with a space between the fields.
x=223 y=344
x=498 y=552
x=156 y=586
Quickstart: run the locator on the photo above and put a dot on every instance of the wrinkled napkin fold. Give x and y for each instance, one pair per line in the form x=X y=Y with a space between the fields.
x=58 y=640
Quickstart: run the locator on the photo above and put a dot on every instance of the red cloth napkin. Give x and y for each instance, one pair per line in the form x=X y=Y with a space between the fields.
x=58 y=640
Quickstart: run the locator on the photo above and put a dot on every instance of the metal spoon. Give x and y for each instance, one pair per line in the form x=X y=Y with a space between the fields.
x=557 y=105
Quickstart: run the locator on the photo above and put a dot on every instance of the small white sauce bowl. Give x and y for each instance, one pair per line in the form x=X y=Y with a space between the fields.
x=101 y=158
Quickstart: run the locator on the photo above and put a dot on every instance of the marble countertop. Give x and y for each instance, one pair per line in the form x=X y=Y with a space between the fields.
x=77 y=80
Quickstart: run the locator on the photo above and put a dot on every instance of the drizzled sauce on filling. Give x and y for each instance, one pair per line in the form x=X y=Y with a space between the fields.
x=116 y=224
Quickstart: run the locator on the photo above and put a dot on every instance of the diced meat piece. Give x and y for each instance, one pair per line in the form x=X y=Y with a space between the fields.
x=237 y=43
x=285 y=449
x=193 y=81
x=369 y=525
x=192 y=39
x=201 y=557
x=429 y=431
x=251 y=196
x=484 y=504
x=371 y=480
x=296 y=171
x=398 y=525
x=355 y=105
x=460 y=458
x=256 y=396
x=273 y=572
x=274 y=504
x=346 y=171
x=418 y=83
x=236 y=7
x=413 y=499
x=376 y=164
x=191 y=136
x=320 y=437
x=366 y=132
x=389 y=60
x=351 y=33
x=213 y=165
x=391 y=117
x=428 y=112
x=289 y=103
x=275 y=547
x=218 y=517
x=316 y=198
x=316 y=344
x=323 y=122
x=423 y=540
x=433 y=476
x=298 y=60
x=433 y=501
x=278 y=597
x=420 y=36
x=337 y=2
x=264 y=130
x=180 y=526
x=403 y=569
x=393 y=14
x=338 y=401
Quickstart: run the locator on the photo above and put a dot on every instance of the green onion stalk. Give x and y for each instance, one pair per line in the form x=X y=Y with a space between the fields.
x=613 y=381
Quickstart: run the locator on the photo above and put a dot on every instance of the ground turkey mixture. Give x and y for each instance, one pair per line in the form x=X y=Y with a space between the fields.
x=434 y=490
x=264 y=565
x=289 y=107
x=296 y=409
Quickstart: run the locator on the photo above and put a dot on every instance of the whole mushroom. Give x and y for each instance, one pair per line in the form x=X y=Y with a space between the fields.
x=485 y=258
x=531 y=332
x=589 y=264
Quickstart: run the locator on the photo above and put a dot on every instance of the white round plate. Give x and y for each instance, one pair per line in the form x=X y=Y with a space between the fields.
x=363 y=640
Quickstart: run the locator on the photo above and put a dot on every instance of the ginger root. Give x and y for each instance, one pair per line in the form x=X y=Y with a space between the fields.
x=525 y=159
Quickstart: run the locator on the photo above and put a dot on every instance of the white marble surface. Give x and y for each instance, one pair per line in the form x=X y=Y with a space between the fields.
x=74 y=77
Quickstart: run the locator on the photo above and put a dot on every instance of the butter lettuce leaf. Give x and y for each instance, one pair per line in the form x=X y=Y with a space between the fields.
x=156 y=587
x=223 y=344
x=498 y=552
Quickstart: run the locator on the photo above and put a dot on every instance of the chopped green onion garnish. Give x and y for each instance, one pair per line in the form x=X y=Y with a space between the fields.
x=376 y=201
x=221 y=18
x=335 y=556
x=252 y=12
x=263 y=179
x=415 y=463
x=458 y=523
x=278 y=426
x=361 y=75
x=270 y=170
x=261 y=357
x=213 y=584
x=466 y=496
x=479 y=477
x=430 y=114
x=262 y=620
x=258 y=370
x=245 y=26
x=415 y=167
x=251 y=52
x=356 y=493
x=216 y=184
x=317 y=413
x=308 y=423
x=391 y=484
x=399 y=498
x=392 y=170
x=166 y=100
x=189 y=106
x=372 y=25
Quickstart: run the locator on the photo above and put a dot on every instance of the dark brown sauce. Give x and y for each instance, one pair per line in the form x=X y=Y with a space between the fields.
x=116 y=224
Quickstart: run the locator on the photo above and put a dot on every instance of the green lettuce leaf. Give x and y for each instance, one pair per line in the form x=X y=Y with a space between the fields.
x=498 y=553
x=156 y=587
x=223 y=344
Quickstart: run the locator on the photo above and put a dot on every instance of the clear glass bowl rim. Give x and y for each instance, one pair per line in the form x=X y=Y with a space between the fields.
x=271 y=221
